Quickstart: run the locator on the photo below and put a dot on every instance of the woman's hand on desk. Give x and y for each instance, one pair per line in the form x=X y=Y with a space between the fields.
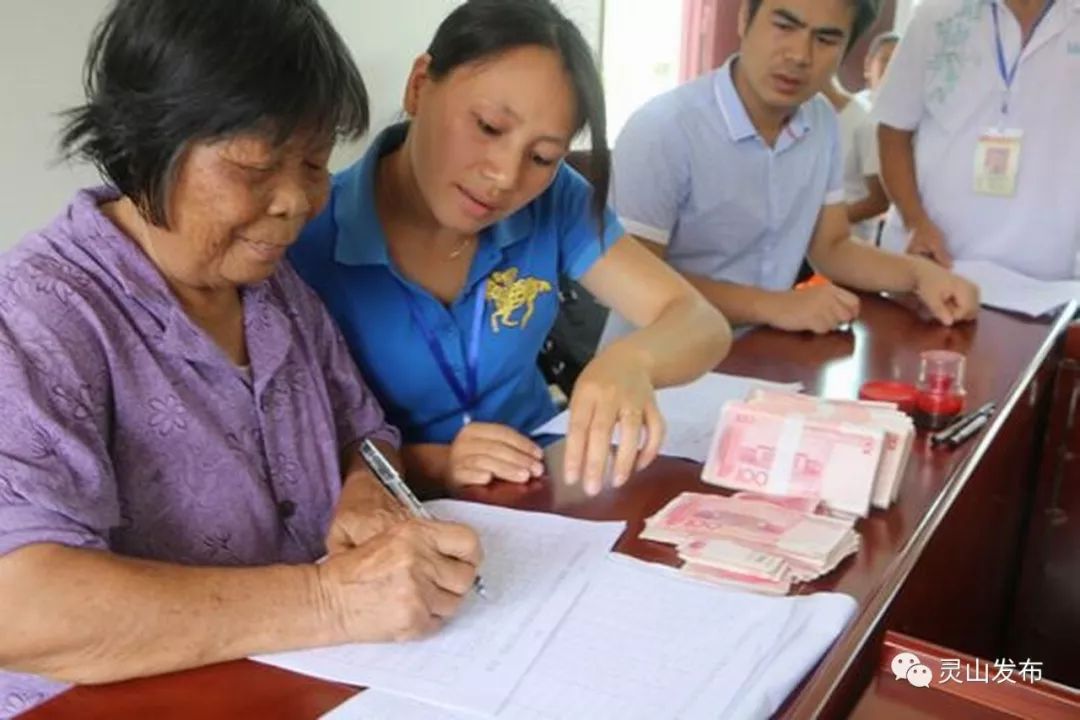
x=401 y=584
x=483 y=452
x=615 y=390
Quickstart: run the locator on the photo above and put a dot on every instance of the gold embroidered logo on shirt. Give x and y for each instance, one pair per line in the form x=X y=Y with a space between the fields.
x=508 y=293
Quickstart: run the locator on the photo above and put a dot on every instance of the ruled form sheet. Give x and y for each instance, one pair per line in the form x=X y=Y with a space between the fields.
x=644 y=642
x=535 y=567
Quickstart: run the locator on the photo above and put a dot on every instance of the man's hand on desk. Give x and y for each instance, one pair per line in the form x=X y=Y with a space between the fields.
x=399 y=585
x=820 y=309
x=950 y=298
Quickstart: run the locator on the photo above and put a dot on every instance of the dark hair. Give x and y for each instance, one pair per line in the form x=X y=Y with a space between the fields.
x=879 y=41
x=481 y=29
x=160 y=74
x=866 y=12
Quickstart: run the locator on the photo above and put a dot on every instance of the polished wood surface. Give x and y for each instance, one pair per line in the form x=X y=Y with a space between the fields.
x=229 y=691
x=1004 y=353
x=1046 y=623
x=888 y=697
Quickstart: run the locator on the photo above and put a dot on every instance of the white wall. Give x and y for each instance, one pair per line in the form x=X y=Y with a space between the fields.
x=42 y=45
x=385 y=37
x=43 y=42
x=904 y=8
x=642 y=53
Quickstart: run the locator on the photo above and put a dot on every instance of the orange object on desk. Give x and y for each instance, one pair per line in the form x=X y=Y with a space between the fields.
x=814 y=281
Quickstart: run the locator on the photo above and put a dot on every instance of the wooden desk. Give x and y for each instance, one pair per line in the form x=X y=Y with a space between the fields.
x=1046 y=621
x=942 y=497
x=1008 y=696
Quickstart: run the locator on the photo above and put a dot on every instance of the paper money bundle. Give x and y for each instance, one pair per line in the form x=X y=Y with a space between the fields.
x=752 y=542
x=849 y=454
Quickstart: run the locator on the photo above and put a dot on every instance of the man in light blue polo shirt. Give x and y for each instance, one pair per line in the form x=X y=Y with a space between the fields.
x=736 y=177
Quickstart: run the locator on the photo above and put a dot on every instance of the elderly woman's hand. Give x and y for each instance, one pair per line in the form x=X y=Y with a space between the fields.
x=401 y=584
x=364 y=510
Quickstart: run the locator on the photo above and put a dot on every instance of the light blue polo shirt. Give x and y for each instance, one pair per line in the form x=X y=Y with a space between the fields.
x=343 y=255
x=692 y=173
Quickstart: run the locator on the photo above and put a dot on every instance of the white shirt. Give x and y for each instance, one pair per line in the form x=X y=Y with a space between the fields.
x=858 y=141
x=691 y=172
x=944 y=81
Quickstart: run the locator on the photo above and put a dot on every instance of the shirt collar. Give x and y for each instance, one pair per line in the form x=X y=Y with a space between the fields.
x=118 y=257
x=1056 y=21
x=734 y=111
x=116 y=253
x=1073 y=5
x=122 y=259
x=360 y=239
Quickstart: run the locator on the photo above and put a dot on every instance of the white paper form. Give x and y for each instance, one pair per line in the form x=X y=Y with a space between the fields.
x=535 y=567
x=814 y=624
x=691 y=412
x=644 y=642
x=1007 y=290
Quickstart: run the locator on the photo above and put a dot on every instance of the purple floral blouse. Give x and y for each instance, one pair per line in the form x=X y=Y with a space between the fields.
x=124 y=427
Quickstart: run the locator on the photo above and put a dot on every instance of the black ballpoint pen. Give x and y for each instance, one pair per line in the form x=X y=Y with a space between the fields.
x=388 y=475
x=967 y=432
x=943 y=436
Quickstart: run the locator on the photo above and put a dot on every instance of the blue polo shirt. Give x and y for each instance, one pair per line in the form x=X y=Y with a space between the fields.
x=343 y=255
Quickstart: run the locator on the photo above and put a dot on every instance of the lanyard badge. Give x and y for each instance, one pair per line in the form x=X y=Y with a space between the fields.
x=997 y=154
x=467 y=395
x=997 y=162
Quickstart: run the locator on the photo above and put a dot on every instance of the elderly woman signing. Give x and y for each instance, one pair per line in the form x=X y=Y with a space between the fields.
x=180 y=414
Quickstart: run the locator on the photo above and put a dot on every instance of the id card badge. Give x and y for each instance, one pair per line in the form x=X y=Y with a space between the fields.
x=997 y=162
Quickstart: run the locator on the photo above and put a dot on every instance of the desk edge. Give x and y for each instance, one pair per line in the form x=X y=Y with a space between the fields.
x=822 y=685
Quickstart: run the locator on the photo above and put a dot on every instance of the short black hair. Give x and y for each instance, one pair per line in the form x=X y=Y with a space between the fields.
x=880 y=41
x=161 y=74
x=481 y=29
x=866 y=13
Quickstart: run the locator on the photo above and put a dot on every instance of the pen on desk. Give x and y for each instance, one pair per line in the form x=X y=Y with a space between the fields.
x=967 y=432
x=942 y=436
x=391 y=479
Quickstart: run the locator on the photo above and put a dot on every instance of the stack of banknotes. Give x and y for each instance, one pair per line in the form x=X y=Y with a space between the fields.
x=848 y=454
x=751 y=541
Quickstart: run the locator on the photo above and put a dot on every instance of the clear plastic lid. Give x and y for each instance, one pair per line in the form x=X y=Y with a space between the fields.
x=941 y=372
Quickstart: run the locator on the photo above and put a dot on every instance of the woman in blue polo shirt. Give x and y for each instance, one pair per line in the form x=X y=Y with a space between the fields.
x=440 y=250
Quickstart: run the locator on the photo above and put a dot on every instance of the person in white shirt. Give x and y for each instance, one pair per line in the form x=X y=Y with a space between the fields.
x=978 y=115
x=878 y=57
x=865 y=195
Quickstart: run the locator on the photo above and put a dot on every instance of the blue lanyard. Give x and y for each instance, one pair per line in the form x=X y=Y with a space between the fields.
x=467 y=395
x=1008 y=75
